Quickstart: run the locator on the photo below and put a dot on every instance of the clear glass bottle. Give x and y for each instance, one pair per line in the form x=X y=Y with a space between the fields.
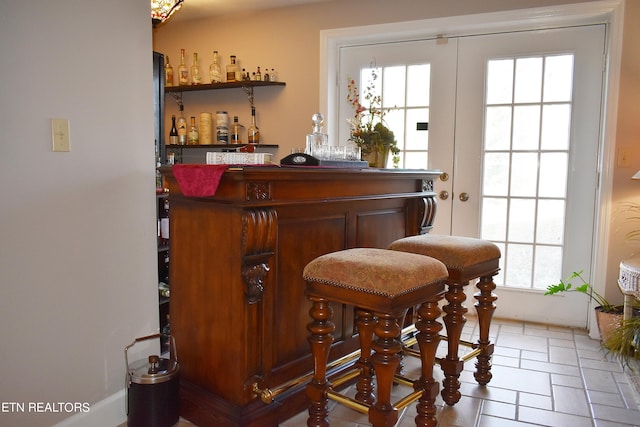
x=182 y=127
x=195 y=70
x=237 y=132
x=173 y=134
x=168 y=74
x=194 y=136
x=183 y=71
x=253 y=133
x=215 y=71
x=273 y=76
x=231 y=69
x=317 y=141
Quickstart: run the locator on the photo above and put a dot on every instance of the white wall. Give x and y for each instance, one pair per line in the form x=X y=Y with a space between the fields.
x=77 y=229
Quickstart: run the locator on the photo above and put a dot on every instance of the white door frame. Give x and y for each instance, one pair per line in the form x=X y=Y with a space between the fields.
x=609 y=12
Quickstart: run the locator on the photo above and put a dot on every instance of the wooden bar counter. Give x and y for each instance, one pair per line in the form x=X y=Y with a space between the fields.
x=238 y=309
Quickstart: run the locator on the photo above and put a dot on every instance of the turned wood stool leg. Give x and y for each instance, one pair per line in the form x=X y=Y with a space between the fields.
x=454 y=321
x=385 y=359
x=366 y=324
x=485 y=308
x=320 y=340
x=428 y=338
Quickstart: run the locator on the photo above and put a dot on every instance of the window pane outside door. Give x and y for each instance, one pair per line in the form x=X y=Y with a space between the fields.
x=404 y=90
x=526 y=153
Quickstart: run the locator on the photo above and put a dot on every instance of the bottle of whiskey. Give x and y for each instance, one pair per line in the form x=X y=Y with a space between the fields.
x=253 y=133
x=258 y=75
x=194 y=136
x=183 y=71
x=168 y=74
x=173 y=134
x=182 y=127
x=231 y=69
x=215 y=71
x=195 y=71
x=237 y=131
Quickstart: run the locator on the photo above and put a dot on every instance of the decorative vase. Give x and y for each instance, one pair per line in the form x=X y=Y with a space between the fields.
x=377 y=158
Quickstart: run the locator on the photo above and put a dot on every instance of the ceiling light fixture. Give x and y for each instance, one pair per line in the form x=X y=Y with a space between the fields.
x=161 y=10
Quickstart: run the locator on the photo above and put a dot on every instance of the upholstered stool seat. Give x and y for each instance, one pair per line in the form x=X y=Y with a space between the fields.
x=382 y=285
x=466 y=259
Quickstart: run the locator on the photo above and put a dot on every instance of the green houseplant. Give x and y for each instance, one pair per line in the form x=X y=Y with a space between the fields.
x=368 y=128
x=608 y=316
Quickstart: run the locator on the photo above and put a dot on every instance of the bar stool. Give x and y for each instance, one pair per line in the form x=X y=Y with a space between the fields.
x=466 y=259
x=382 y=284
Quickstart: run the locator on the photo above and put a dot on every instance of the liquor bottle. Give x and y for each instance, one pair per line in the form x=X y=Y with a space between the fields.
x=253 y=134
x=168 y=74
x=183 y=72
x=231 y=69
x=215 y=71
x=273 y=76
x=317 y=141
x=266 y=76
x=195 y=71
x=173 y=134
x=258 y=75
x=194 y=137
x=237 y=131
x=182 y=127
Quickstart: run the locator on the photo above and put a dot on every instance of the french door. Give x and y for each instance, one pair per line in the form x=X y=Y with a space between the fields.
x=514 y=124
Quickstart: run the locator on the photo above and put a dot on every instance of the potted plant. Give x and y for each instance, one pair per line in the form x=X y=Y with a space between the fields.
x=368 y=129
x=608 y=316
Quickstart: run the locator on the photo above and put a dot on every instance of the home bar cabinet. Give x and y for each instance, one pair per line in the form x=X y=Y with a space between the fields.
x=238 y=309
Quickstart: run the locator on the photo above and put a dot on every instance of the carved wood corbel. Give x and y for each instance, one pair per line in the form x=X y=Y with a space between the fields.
x=259 y=228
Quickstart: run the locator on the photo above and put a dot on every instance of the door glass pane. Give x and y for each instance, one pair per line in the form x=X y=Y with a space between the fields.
x=418 y=80
x=404 y=92
x=497 y=129
x=500 y=81
x=526 y=165
x=494 y=219
x=524 y=174
x=558 y=78
x=416 y=139
x=496 y=174
x=522 y=220
x=553 y=174
x=393 y=87
x=550 y=229
x=526 y=127
x=548 y=266
x=521 y=256
x=528 y=80
x=556 y=122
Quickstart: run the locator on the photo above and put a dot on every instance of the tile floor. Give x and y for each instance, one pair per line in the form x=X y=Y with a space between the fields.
x=542 y=376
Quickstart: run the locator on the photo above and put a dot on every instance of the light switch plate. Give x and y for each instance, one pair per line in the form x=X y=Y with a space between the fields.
x=60 y=134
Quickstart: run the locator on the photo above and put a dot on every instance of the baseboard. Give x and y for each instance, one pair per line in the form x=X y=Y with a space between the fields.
x=109 y=412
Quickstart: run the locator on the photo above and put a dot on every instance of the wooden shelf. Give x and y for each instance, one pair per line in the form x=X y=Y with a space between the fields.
x=216 y=86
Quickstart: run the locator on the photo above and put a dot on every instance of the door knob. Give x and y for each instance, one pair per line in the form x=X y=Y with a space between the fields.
x=443 y=195
x=444 y=176
x=463 y=197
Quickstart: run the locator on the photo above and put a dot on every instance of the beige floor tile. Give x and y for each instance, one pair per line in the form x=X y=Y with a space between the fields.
x=550 y=418
x=535 y=401
x=570 y=400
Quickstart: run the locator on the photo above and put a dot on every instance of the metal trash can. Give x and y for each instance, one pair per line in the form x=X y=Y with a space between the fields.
x=153 y=388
